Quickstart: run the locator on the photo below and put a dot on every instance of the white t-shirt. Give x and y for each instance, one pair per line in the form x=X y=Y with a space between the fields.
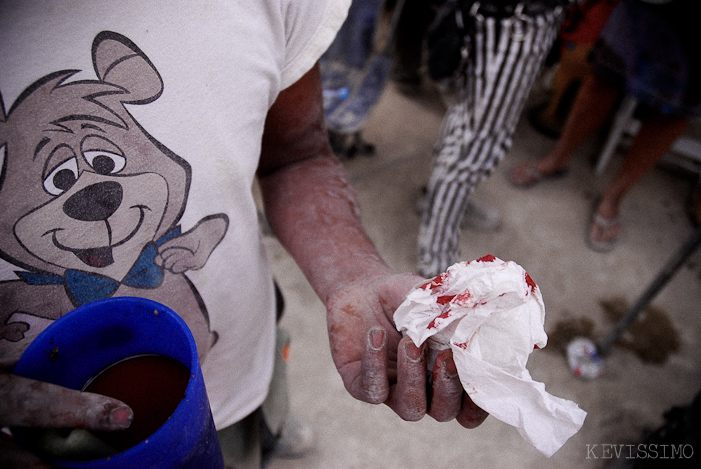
x=135 y=126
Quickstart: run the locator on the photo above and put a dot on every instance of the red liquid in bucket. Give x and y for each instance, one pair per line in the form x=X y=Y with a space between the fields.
x=152 y=385
x=168 y=398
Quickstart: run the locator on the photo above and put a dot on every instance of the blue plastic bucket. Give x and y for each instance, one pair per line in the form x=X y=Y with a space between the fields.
x=82 y=343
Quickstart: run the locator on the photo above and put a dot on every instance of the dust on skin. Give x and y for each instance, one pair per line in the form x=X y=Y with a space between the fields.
x=329 y=219
x=343 y=335
x=311 y=206
x=351 y=324
x=350 y=327
x=414 y=389
x=338 y=188
x=41 y=414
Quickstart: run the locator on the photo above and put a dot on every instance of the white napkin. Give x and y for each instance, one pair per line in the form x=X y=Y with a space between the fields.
x=491 y=314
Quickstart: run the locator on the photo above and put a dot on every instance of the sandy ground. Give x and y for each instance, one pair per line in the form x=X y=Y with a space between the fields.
x=544 y=231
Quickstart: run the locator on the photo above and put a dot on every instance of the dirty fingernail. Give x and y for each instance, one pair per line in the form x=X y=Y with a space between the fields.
x=412 y=351
x=377 y=338
x=121 y=416
x=450 y=368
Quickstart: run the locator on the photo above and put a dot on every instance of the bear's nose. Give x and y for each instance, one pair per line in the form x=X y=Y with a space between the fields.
x=96 y=202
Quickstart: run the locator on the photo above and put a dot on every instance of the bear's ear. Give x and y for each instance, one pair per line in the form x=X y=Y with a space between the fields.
x=3 y=114
x=118 y=61
x=3 y=154
x=3 y=146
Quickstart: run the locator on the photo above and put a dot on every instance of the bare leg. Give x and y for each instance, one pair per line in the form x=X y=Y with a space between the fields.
x=594 y=103
x=656 y=136
x=591 y=109
x=574 y=66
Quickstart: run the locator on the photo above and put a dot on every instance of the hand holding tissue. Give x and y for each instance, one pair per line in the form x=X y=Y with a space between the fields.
x=491 y=314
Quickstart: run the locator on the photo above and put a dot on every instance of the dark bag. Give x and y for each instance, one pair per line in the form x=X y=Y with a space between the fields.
x=445 y=39
x=449 y=36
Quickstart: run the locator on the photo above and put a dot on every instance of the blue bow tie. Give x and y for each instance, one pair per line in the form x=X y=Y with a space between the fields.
x=84 y=287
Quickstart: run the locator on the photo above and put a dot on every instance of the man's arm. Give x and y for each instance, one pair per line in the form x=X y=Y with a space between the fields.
x=313 y=211
x=309 y=201
x=29 y=403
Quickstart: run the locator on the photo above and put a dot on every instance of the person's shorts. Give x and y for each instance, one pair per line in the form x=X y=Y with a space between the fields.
x=649 y=51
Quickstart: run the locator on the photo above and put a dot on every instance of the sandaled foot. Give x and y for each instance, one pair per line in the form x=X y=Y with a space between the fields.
x=527 y=175
x=603 y=233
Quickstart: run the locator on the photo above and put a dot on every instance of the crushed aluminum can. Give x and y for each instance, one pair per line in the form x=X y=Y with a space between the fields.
x=583 y=359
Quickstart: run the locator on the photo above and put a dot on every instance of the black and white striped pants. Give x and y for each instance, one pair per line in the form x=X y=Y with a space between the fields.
x=506 y=57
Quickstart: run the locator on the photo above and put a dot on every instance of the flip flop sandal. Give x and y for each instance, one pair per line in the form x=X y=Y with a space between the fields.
x=532 y=176
x=604 y=224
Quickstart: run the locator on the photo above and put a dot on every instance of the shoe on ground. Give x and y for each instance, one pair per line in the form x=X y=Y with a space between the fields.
x=477 y=216
x=296 y=439
x=603 y=233
x=480 y=217
x=527 y=175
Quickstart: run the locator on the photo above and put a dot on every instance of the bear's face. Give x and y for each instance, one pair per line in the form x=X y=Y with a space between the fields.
x=83 y=185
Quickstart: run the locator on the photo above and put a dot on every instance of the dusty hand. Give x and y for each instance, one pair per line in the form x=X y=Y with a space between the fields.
x=25 y=402
x=379 y=366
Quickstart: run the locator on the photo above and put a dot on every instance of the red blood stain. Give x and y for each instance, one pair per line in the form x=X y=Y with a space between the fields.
x=444 y=300
x=462 y=345
x=463 y=298
x=435 y=283
x=487 y=258
x=446 y=314
x=530 y=282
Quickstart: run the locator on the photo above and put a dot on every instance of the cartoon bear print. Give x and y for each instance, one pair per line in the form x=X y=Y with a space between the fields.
x=90 y=202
